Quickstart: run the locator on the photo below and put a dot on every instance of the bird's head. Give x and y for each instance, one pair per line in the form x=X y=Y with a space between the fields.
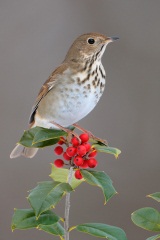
x=88 y=45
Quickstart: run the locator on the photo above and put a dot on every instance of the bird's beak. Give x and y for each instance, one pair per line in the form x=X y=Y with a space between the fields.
x=111 y=39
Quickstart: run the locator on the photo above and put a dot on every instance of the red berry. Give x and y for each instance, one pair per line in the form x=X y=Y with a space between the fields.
x=59 y=163
x=58 y=150
x=92 y=162
x=87 y=146
x=81 y=150
x=93 y=153
x=85 y=164
x=61 y=141
x=78 y=174
x=78 y=161
x=66 y=157
x=71 y=151
x=75 y=142
x=84 y=137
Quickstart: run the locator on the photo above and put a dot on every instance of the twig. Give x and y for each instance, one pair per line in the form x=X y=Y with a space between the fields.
x=67 y=207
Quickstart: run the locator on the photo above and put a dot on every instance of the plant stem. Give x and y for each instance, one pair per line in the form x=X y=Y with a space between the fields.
x=67 y=207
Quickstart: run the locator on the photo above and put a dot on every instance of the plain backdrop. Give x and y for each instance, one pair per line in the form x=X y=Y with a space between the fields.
x=34 y=38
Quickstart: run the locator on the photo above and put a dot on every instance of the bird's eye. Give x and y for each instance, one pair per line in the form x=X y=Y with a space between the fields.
x=91 y=40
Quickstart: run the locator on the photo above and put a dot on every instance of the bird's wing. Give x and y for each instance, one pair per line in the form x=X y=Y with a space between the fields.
x=47 y=86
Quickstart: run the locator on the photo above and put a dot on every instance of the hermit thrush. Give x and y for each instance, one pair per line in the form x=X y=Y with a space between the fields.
x=72 y=90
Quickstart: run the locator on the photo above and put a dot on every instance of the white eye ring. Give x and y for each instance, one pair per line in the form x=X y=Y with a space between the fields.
x=91 y=40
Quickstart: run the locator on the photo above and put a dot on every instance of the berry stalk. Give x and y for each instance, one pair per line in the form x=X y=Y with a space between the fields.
x=67 y=207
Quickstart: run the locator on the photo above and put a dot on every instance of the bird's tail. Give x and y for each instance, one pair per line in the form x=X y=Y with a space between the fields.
x=20 y=150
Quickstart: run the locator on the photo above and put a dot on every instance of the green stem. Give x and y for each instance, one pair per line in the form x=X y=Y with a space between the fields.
x=67 y=207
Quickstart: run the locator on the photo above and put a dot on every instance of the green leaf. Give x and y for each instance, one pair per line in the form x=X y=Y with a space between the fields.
x=61 y=175
x=107 y=149
x=147 y=218
x=40 y=137
x=27 y=138
x=155 y=196
x=154 y=237
x=46 y=195
x=55 y=229
x=45 y=134
x=25 y=218
x=102 y=230
x=102 y=180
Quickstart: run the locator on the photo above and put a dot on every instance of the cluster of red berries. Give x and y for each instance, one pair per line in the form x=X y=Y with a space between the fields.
x=80 y=154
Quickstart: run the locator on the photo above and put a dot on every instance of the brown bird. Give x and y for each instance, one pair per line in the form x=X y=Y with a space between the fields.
x=72 y=90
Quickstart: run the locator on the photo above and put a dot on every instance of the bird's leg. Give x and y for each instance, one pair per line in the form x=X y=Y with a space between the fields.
x=90 y=134
x=68 y=131
x=83 y=130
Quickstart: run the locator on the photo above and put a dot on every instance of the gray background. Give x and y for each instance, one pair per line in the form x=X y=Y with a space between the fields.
x=34 y=38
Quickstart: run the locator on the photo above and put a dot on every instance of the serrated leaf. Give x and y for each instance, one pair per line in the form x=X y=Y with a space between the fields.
x=154 y=237
x=25 y=219
x=147 y=218
x=102 y=230
x=155 y=196
x=61 y=175
x=40 y=137
x=107 y=149
x=46 y=195
x=54 y=229
x=102 y=180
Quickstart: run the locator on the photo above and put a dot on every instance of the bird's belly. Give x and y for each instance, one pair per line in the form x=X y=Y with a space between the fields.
x=74 y=106
x=67 y=105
